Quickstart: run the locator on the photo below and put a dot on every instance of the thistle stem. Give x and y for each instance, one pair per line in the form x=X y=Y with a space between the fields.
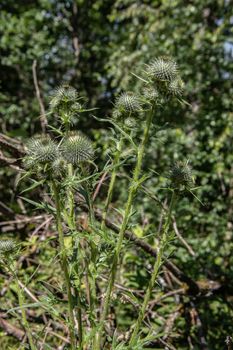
x=92 y=262
x=155 y=272
x=132 y=192
x=112 y=181
x=72 y=225
x=64 y=265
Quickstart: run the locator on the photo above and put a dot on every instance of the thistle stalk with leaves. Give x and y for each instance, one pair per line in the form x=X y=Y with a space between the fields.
x=8 y=254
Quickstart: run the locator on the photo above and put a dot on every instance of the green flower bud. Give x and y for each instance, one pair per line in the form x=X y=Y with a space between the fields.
x=77 y=148
x=176 y=87
x=63 y=97
x=162 y=69
x=181 y=175
x=65 y=102
x=127 y=103
x=151 y=94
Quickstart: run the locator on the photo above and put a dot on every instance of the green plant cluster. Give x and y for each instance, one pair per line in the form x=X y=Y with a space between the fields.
x=96 y=46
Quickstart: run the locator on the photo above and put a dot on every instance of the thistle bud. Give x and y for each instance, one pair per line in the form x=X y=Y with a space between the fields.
x=65 y=102
x=41 y=149
x=176 y=87
x=127 y=103
x=180 y=175
x=59 y=167
x=7 y=247
x=151 y=94
x=162 y=69
x=77 y=148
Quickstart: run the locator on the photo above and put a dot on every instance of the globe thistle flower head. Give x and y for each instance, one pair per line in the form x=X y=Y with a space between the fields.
x=77 y=148
x=41 y=149
x=162 y=69
x=127 y=103
x=181 y=175
x=7 y=247
x=176 y=87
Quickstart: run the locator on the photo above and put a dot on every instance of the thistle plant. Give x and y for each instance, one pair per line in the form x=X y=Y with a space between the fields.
x=65 y=164
x=160 y=73
x=181 y=178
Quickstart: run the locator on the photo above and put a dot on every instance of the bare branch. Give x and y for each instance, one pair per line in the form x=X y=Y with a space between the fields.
x=43 y=119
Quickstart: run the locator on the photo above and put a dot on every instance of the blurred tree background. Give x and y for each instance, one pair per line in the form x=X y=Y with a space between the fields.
x=94 y=46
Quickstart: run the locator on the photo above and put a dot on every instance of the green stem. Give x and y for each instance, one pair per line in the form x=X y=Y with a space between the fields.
x=155 y=273
x=112 y=181
x=132 y=192
x=72 y=225
x=92 y=263
x=64 y=264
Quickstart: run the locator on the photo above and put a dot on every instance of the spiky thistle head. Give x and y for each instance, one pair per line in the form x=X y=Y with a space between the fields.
x=181 y=175
x=162 y=69
x=41 y=150
x=127 y=103
x=65 y=102
x=7 y=247
x=77 y=148
x=176 y=87
x=62 y=95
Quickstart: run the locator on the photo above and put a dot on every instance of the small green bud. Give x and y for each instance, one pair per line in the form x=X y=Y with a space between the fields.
x=77 y=148
x=65 y=102
x=180 y=175
x=176 y=87
x=63 y=96
x=151 y=94
x=127 y=103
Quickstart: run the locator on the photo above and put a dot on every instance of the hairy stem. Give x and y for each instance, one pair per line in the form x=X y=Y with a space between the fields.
x=92 y=262
x=112 y=181
x=132 y=192
x=64 y=265
x=155 y=272
x=72 y=225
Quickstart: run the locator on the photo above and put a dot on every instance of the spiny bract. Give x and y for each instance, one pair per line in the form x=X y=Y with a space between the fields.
x=77 y=148
x=180 y=174
x=127 y=102
x=7 y=246
x=41 y=149
x=163 y=69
